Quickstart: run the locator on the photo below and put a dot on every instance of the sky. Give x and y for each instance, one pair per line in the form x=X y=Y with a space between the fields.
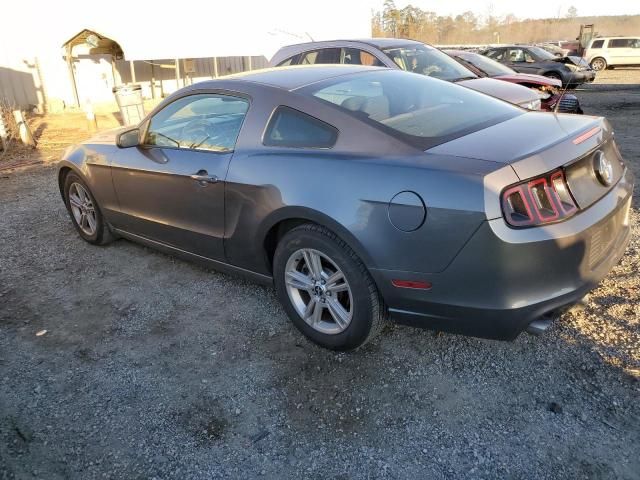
x=227 y=27
x=520 y=8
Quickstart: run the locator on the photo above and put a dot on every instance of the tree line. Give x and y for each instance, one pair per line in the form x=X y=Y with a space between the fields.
x=472 y=28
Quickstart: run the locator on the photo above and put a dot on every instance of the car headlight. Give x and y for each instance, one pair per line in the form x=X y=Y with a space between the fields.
x=571 y=66
x=532 y=105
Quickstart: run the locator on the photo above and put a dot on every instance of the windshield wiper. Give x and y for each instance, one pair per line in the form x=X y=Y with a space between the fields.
x=464 y=78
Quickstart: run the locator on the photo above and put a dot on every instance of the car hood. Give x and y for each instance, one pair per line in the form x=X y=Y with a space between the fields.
x=503 y=90
x=578 y=61
x=526 y=136
x=530 y=78
x=107 y=137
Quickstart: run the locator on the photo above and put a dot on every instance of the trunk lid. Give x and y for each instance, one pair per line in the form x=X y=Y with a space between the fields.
x=537 y=143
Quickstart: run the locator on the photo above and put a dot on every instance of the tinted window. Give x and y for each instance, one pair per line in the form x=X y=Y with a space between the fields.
x=428 y=61
x=624 y=43
x=421 y=110
x=520 y=55
x=498 y=55
x=291 y=128
x=597 y=44
x=204 y=122
x=324 y=56
x=354 y=56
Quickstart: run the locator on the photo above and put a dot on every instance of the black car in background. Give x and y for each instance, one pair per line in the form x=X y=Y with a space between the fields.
x=571 y=71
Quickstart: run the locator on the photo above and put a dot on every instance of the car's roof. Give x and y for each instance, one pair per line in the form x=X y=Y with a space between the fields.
x=288 y=78
x=453 y=51
x=616 y=37
x=374 y=42
x=377 y=43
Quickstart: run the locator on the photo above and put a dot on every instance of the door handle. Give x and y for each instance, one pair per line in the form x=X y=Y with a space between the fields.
x=202 y=177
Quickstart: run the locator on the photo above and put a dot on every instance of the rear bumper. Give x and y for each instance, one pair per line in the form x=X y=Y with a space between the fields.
x=504 y=278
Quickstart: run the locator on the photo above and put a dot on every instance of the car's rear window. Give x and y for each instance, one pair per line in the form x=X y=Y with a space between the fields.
x=291 y=128
x=422 y=111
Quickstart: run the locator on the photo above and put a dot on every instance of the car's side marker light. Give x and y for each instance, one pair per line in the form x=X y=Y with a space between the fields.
x=585 y=136
x=414 y=284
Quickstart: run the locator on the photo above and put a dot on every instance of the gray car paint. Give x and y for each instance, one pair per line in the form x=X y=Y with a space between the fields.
x=510 y=92
x=488 y=279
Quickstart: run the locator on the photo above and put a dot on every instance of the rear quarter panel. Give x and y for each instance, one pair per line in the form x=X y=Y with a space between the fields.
x=350 y=195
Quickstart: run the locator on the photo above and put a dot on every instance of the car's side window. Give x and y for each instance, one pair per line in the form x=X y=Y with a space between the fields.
x=208 y=122
x=322 y=56
x=288 y=61
x=355 y=56
x=291 y=128
x=597 y=44
x=621 y=43
x=498 y=55
x=519 y=55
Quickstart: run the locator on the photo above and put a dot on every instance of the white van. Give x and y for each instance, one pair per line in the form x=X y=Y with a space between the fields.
x=605 y=52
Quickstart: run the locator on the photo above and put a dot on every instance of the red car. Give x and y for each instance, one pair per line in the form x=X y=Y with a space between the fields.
x=549 y=89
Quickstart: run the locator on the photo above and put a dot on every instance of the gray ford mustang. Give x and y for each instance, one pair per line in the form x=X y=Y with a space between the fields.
x=364 y=193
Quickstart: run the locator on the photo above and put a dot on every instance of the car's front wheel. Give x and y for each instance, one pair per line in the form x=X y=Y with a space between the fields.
x=85 y=212
x=326 y=290
x=598 y=64
x=554 y=75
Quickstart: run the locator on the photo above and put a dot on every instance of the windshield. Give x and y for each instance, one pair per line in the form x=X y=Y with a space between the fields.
x=428 y=61
x=422 y=111
x=487 y=65
x=542 y=53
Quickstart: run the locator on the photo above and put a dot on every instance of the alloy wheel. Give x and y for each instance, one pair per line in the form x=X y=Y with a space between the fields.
x=319 y=291
x=82 y=209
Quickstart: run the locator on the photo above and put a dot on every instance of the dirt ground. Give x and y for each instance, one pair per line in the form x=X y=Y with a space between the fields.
x=151 y=367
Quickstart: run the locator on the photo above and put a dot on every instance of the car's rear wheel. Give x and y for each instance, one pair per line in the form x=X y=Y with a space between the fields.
x=85 y=212
x=598 y=64
x=326 y=290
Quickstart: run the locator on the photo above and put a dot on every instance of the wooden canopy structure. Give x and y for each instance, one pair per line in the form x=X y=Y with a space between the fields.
x=97 y=44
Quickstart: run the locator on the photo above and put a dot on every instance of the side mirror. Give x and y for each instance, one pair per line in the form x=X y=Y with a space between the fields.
x=128 y=138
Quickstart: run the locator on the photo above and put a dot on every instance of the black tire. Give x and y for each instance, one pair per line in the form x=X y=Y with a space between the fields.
x=599 y=64
x=102 y=234
x=369 y=313
x=554 y=75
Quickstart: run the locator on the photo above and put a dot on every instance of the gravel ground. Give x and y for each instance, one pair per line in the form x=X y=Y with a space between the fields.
x=155 y=368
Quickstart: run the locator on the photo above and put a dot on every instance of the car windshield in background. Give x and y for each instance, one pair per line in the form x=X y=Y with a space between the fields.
x=487 y=65
x=542 y=53
x=422 y=111
x=428 y=61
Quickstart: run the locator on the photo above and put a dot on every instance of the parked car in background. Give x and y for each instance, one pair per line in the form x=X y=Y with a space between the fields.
x=552 y=49
x=609 y=52
x=547 y=88
x=364 y=192
x=405 y=55
x=567 y=47
x=571 y=71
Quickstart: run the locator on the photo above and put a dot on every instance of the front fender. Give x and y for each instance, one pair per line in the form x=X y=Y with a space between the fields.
x=92 y=163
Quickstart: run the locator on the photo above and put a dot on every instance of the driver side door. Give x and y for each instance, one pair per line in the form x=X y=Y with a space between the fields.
x=171 y=187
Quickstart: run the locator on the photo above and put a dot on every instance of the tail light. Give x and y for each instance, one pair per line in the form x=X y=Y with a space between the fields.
x=538 y=201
